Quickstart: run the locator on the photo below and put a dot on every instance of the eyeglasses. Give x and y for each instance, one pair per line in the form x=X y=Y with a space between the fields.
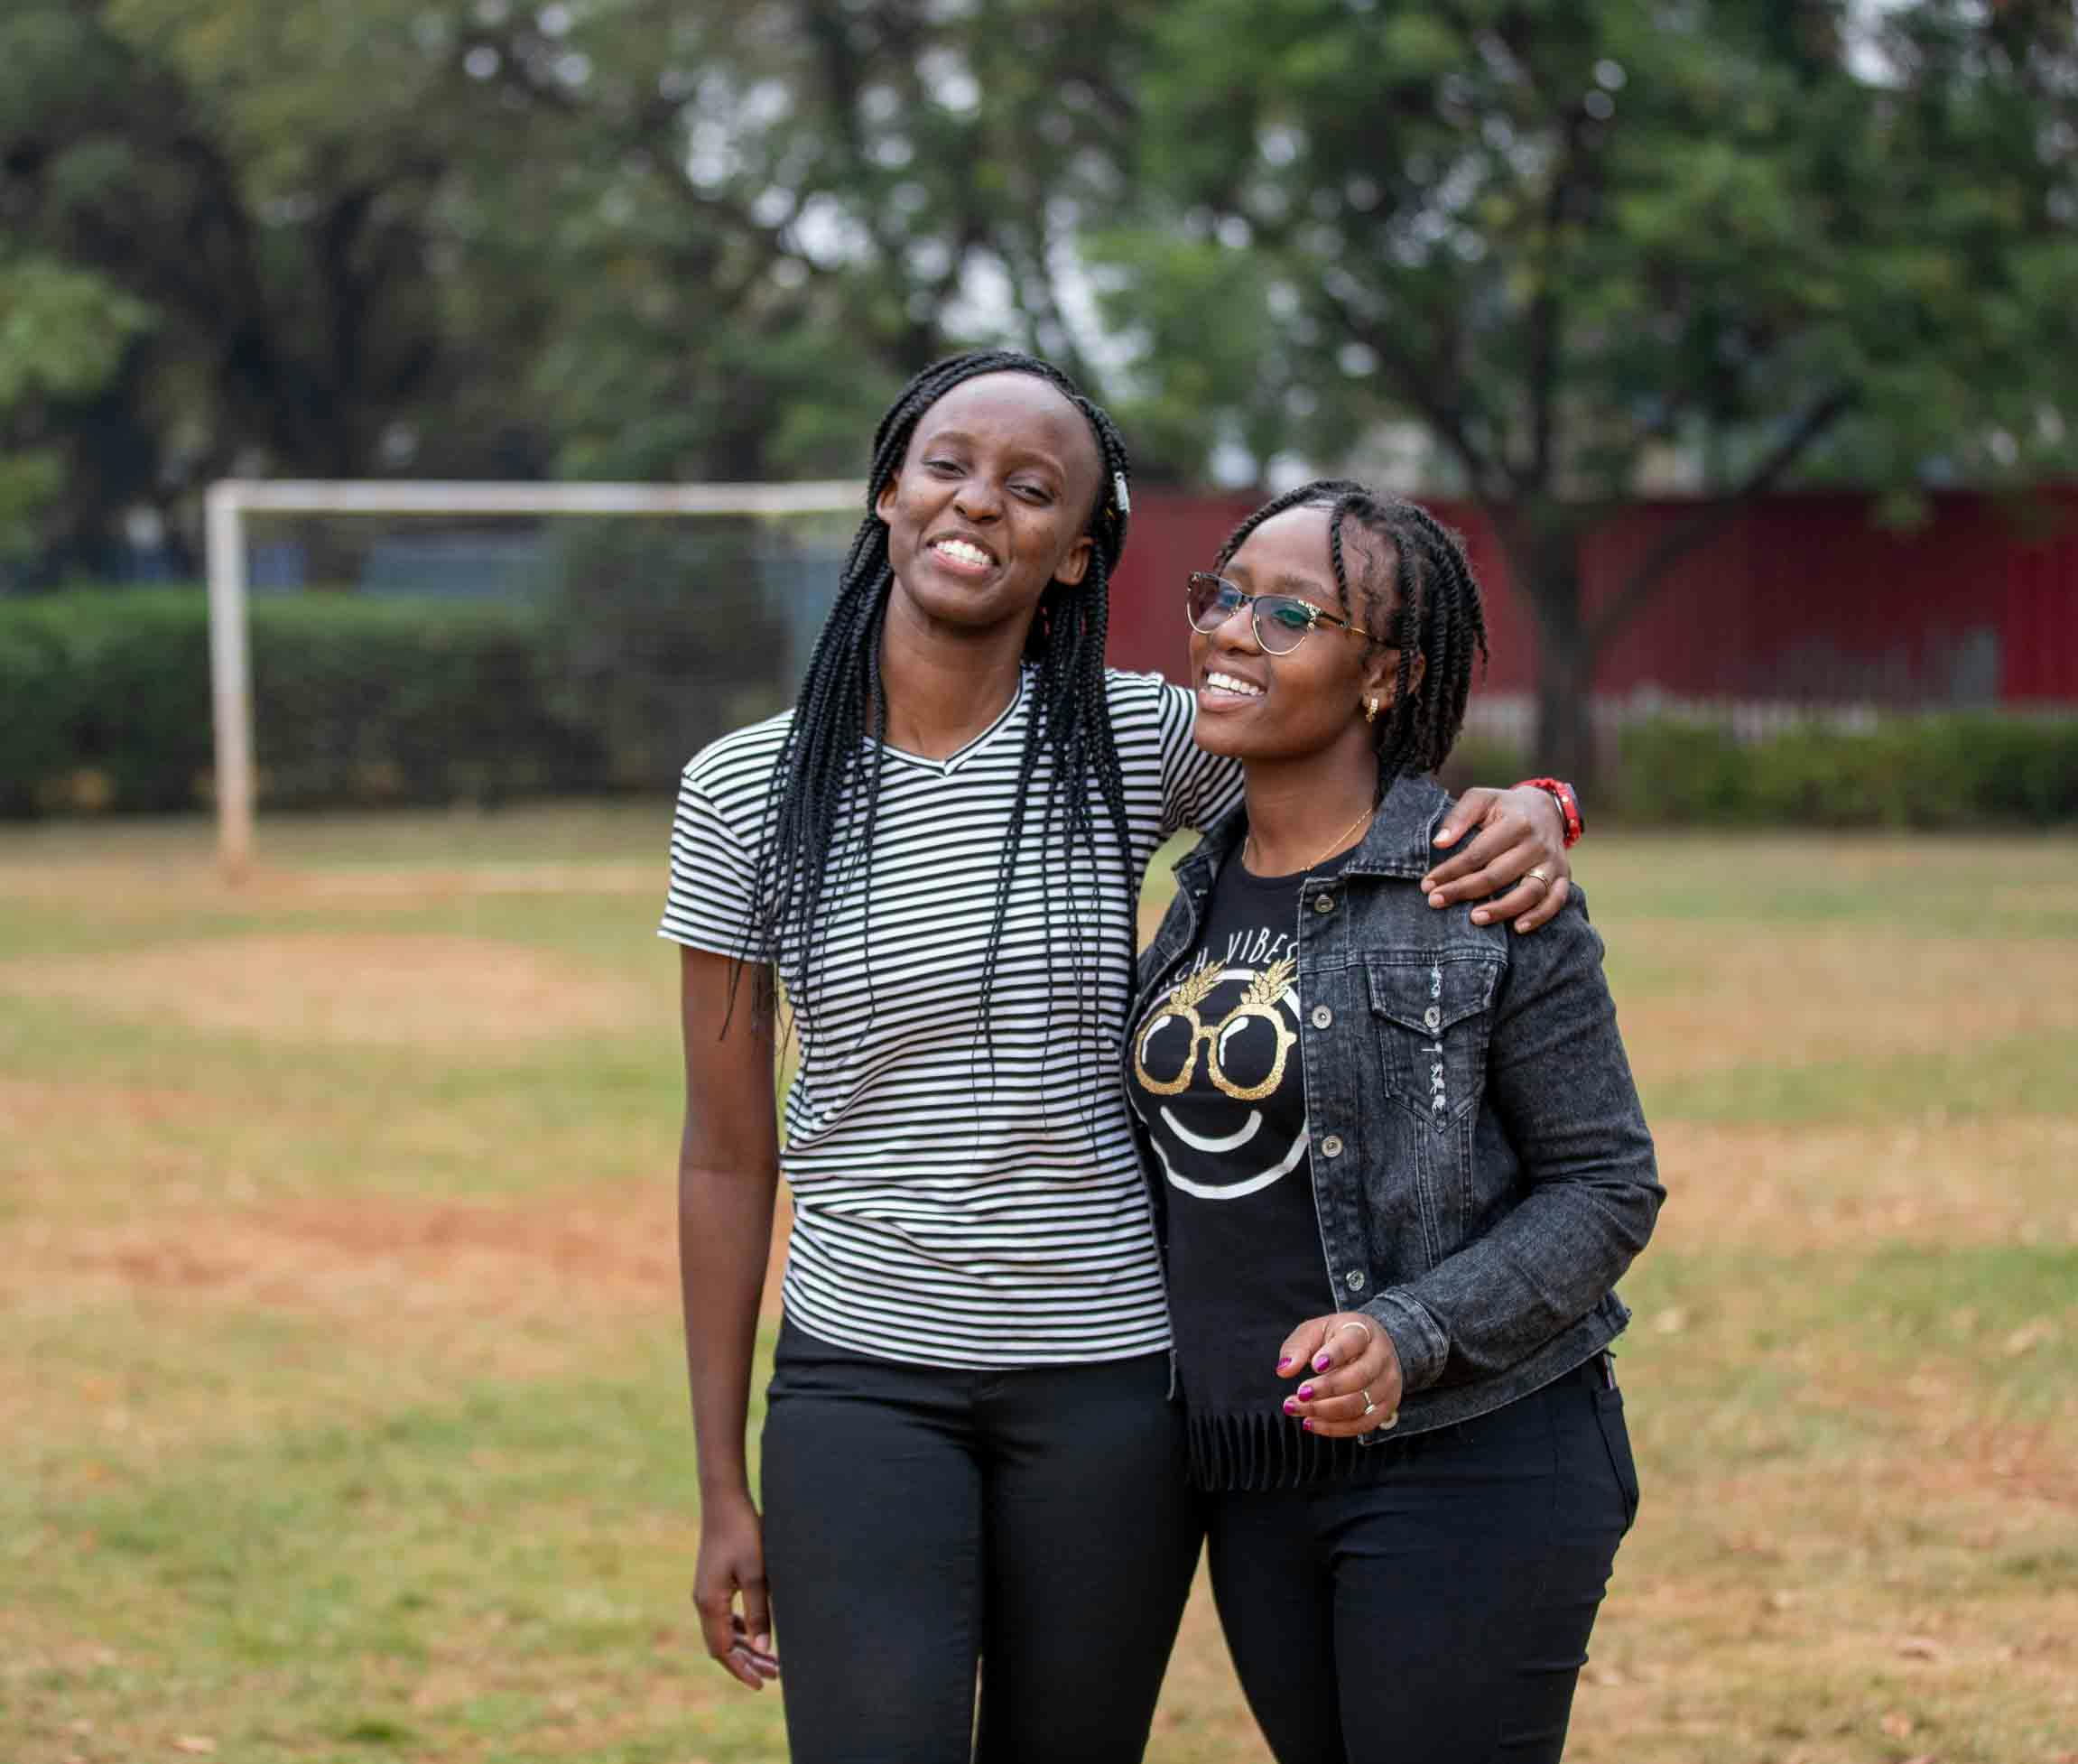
x=1281 y=621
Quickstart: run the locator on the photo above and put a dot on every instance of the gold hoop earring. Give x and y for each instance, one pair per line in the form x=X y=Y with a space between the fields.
x=1370 y=710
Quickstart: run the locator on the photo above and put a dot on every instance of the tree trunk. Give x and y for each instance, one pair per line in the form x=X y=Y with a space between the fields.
x=1565 y=747
x=1544 y=551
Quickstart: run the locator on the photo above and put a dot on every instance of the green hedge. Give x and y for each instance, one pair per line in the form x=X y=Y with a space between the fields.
x=104 y=701
x=1976 y=770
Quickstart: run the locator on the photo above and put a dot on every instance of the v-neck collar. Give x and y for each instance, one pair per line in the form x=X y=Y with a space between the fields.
x=954 y=760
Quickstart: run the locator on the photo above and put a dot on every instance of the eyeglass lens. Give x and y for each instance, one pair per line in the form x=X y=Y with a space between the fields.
x=1280 y=622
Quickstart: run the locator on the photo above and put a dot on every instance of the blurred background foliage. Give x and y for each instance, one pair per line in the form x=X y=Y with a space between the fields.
x=1545 y=258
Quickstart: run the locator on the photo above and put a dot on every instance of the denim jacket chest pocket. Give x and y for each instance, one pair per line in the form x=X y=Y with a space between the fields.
x=1432 y=1015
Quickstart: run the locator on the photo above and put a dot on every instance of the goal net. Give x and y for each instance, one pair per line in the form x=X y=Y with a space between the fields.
x=500 y=639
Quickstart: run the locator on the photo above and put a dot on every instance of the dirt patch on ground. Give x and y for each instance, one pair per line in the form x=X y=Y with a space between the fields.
x=371 y=990
x=1728 y=999
x=1982 y=1181
x=376 y=1257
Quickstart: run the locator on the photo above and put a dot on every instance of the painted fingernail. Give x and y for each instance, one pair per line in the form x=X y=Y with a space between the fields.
x=1285 y=1362
x=1291 y=1405
x=1307 y=1423
x=1305 y=1393
x=1321 y=1362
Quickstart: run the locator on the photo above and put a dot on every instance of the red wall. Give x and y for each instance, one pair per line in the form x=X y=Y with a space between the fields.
x=1798 y=597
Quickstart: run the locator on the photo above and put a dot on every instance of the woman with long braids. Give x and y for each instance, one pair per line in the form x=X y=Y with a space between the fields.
x=930 y=865
x=1397 y=1163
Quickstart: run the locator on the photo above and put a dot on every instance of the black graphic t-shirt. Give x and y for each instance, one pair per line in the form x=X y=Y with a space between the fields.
x=1217 y=1078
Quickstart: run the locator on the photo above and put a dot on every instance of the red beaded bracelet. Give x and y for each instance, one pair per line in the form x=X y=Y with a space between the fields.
x=1563 y=795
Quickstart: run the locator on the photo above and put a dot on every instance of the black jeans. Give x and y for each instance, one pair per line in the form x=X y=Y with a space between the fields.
x=1437 y=1612
x=919 y=1520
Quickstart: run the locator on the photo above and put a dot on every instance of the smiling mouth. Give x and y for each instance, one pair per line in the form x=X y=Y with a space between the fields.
x=1230 y=685
x=963 y=555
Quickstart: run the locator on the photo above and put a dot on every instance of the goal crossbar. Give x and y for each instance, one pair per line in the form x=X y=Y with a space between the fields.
x=230 y=500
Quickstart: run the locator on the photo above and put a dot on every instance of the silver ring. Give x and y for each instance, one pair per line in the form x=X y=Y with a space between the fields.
x=1369 y=1406
x=1354 y=1323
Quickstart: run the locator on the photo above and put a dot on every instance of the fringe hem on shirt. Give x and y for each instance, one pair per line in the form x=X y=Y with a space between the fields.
x=1263 y=1452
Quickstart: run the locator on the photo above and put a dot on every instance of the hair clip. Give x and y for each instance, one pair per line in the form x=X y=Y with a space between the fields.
x=1120 y=500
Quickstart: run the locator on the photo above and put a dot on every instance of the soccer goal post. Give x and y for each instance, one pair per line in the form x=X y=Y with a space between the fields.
x=232 y=501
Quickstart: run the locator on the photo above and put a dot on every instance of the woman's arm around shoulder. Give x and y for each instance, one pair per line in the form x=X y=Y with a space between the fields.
x=1522 y=845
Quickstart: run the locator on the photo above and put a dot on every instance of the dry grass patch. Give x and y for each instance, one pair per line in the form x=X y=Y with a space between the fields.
x=375 y=1258
x=369 y=990
x=1736 y=997
x=1788 y=1612
x=59 y=1138
x=1930 y=1182
x=407 y=1297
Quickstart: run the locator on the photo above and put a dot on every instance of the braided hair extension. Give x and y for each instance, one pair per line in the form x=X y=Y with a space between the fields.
x=1421 y=599
x=819 y=824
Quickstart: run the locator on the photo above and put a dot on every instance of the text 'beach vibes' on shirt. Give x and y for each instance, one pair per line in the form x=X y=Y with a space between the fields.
x=965 y=1193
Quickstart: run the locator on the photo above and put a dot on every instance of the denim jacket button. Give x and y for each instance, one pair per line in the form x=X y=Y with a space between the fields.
x=1322 y=1017
x=1323 y=903
x=1354 y=1280
x=1331 y=1146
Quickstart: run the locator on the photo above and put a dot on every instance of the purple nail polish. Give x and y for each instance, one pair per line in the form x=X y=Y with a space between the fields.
x=1291 y=1408
x=1285 y=1362
x=1305 y=1393
x=1321 y=1362
x=1307 y=1423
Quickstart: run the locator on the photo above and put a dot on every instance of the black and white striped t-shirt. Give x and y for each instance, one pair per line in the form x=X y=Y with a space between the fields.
x=965 y=1194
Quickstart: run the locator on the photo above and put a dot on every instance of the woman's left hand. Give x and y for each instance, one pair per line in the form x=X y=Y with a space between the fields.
x=1521 y=841
x=1338 y=1361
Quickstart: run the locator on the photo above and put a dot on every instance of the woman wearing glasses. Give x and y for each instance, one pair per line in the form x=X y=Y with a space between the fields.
x=1397 y=1164
x=967 y=1454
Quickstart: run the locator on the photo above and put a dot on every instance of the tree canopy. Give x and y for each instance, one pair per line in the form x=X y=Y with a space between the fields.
x=1578 y=247
x=1768 y=242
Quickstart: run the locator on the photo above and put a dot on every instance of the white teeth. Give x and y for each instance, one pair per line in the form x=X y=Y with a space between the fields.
x=1226 y=682
x=961 y=550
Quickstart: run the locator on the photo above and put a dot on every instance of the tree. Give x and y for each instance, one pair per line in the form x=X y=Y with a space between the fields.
x=647 y=238
x=1807 y=239
x=63 y=333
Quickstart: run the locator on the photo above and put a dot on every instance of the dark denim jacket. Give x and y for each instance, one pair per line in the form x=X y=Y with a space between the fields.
x=1480 y=1164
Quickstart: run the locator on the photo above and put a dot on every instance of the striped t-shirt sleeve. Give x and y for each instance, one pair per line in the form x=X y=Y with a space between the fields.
x=708 y=907
x=1197 y=787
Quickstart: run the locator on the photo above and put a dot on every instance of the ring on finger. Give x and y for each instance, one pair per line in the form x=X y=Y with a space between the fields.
x=1542 y=879
x=1355 y=1323
x=1369 y=1406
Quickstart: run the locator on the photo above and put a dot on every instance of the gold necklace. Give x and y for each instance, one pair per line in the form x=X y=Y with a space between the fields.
x=1248 y=844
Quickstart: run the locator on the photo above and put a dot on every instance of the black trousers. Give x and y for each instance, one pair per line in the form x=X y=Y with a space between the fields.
x=919 y=1521
x=1437 y=1612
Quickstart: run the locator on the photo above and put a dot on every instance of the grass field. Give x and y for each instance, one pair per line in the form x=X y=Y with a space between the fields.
x=341 y=1402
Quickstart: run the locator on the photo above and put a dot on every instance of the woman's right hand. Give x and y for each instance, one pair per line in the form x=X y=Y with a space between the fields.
x=732 y=1566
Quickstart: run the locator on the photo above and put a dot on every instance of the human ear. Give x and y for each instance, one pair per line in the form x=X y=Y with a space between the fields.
x=1382 y=676
x=1069 y=573
x=883 y=504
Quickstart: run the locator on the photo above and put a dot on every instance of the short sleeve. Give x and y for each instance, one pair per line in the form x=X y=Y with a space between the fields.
x=708 y=906
x=1197 y=787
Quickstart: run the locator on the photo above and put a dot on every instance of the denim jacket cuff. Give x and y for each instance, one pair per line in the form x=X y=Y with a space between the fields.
x=1417 y=1337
